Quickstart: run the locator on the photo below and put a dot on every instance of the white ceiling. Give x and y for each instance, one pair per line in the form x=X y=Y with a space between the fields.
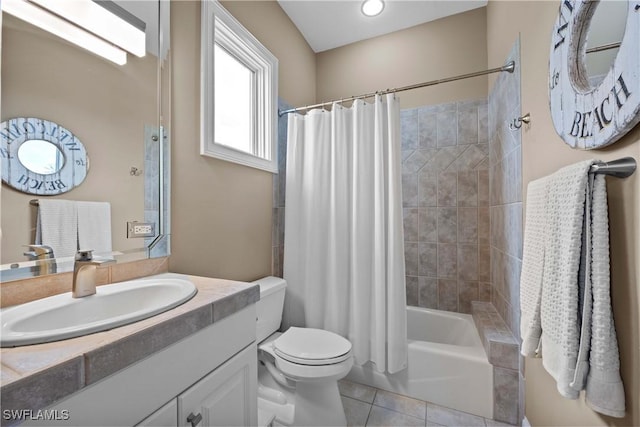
x=327 y=24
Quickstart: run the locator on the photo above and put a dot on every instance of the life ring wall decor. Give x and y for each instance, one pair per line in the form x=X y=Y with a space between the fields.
x=586 y=117
x=24 y=141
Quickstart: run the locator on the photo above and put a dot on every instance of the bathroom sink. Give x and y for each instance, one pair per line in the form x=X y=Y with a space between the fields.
x=62 y=316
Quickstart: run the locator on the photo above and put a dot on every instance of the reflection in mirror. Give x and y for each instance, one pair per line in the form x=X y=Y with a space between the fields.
x=606 y=27
x=120 y=113
x=40 y=156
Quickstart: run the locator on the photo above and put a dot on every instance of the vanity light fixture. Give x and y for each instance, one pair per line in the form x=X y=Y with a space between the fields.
x=55 y=25
x=70 y=28
x=105 y=19
x=372 y=7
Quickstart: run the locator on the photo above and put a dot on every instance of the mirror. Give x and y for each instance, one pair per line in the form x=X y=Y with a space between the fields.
x=40 y=156
x=592 y=106
x=119 y=112
x=606 y=28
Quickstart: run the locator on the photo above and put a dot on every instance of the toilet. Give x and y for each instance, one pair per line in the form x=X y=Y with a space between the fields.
x=298 y=370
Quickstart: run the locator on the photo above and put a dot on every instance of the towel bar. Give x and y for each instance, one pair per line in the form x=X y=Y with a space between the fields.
x=621 y=168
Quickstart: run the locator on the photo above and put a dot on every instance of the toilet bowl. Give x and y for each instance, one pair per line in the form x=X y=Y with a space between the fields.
x=300 y=368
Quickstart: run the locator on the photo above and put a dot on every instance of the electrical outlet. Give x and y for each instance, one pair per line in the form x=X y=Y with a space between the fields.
x=137 y=229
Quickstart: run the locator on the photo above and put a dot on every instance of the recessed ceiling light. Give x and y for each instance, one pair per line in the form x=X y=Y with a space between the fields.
x=372 y=7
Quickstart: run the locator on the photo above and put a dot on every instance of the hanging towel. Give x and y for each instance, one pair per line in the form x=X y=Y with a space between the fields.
x=533 y=266
x=57 y=225
x=94 y=226
x=565 y=301
x=559 y=308
x=604 y=388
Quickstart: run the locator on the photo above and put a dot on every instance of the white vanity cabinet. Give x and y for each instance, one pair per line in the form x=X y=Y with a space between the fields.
x=167 y=416
x=212 y=372
x=225 y=397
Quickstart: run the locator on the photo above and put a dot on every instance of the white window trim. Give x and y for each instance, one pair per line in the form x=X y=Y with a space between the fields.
x=219 y=26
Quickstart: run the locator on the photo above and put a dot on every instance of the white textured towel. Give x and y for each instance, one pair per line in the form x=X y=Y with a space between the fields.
x=57 y=226
x=605 y=391
x=565 y=300
x=559 y=308
x=94 y=226
x=533 y=266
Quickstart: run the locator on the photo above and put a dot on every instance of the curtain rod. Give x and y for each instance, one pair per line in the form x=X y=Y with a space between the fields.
x=508 y=67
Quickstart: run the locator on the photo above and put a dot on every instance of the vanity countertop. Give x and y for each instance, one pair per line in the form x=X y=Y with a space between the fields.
x=35 y=376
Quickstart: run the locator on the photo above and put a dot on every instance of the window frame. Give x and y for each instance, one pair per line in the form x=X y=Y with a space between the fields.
x=221 y=28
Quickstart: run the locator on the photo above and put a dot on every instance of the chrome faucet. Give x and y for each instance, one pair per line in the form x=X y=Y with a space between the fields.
x=84 y=273
x=39 y=252
x=44 y=258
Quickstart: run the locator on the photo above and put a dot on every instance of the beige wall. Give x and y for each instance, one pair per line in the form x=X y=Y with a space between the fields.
x=543 y=152
x=105 y=105
x=422 y=53
x=221 y=212
x=297 y=62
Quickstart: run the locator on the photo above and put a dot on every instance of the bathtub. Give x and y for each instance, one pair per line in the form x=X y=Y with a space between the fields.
x=447 y=364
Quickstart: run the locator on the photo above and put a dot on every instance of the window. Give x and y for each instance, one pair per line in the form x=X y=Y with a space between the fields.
x=239 y=92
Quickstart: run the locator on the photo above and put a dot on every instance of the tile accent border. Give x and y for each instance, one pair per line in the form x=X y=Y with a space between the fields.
x=111 y=358
x=58 y=382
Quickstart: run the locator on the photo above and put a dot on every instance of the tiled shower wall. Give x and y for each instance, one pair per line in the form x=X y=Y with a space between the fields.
x=279 y=179
x=445 y=191
x=152 y=150
x=506 y=236
x=506 y=195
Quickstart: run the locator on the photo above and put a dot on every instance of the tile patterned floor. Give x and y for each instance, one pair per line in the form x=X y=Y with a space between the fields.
x=368 y=406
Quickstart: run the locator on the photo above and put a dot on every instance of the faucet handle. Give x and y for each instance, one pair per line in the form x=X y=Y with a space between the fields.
x=84 y=255
x=39 y=251
x=43 y=249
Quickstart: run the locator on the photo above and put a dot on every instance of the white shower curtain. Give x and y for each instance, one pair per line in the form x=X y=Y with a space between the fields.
x=344 y=245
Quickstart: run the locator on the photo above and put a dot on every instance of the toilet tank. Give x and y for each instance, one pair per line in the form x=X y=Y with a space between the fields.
x=269 y=308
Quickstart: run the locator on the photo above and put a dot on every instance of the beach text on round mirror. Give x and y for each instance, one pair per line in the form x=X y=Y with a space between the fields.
x=41 y=157
x=593 y=111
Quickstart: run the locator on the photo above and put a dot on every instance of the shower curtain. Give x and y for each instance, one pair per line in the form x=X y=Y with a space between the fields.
x=344 y=244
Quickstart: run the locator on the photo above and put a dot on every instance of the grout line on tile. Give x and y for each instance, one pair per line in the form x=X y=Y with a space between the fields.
x=400 y=412
x=366 y=422
x=426 y=419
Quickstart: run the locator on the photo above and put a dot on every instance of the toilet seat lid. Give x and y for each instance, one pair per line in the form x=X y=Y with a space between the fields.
x=312 y=346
